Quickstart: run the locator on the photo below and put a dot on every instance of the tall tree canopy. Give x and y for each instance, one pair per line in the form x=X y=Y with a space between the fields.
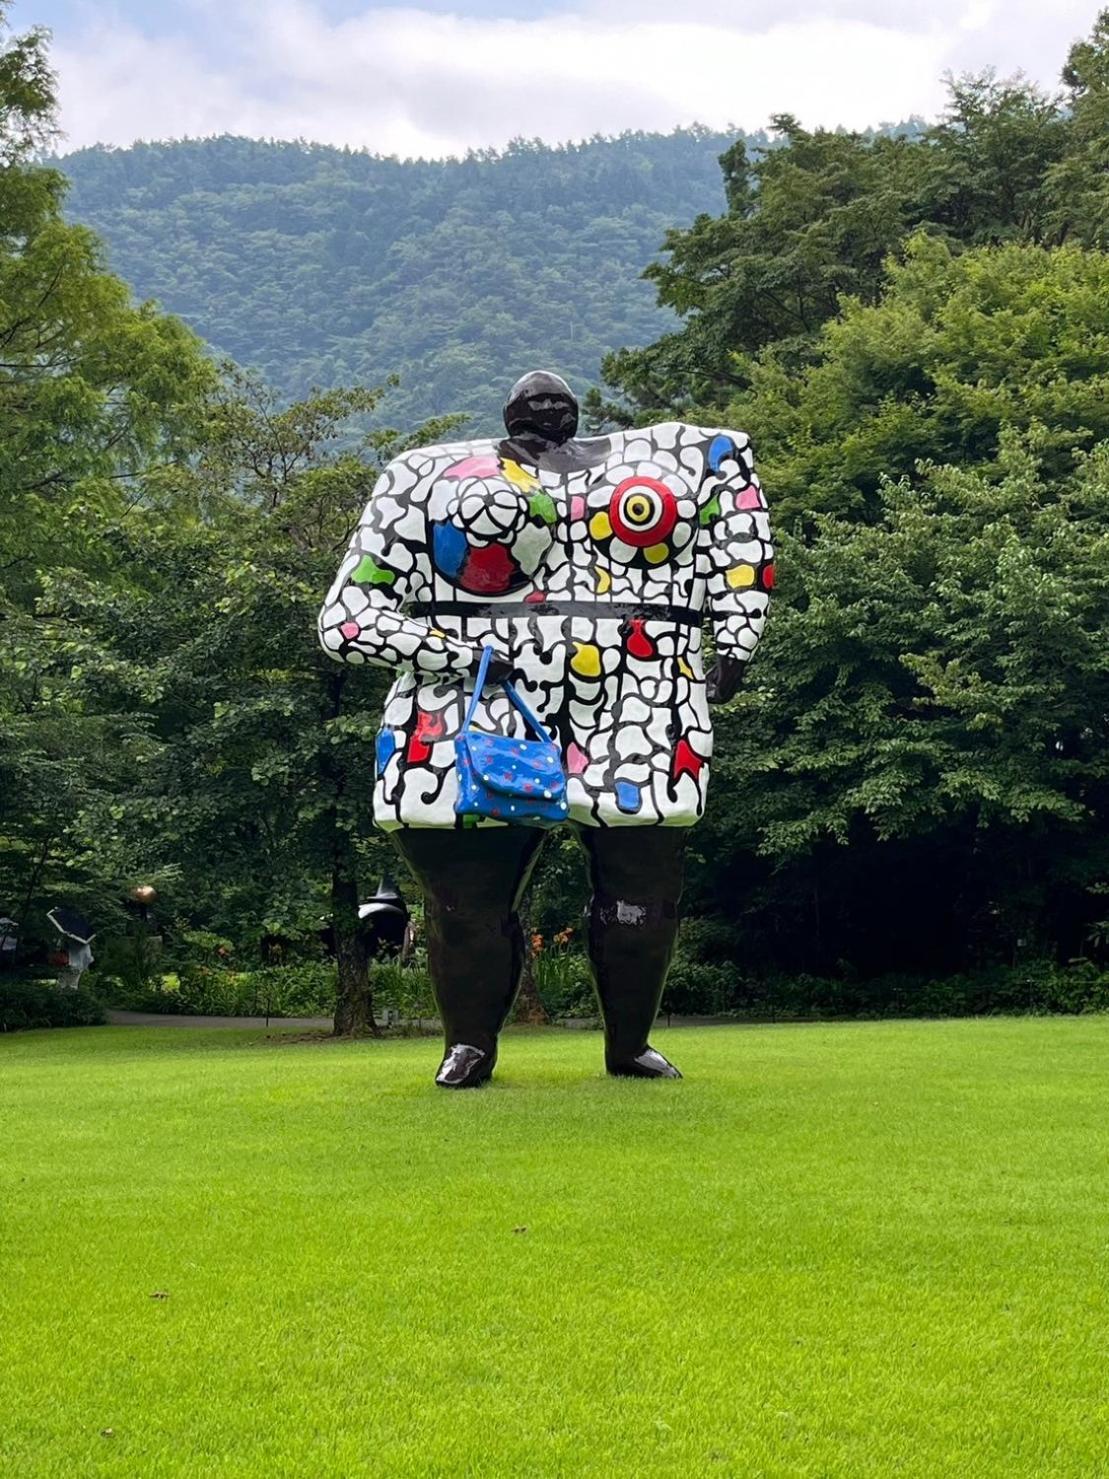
x=814 y=219
x=95 y=393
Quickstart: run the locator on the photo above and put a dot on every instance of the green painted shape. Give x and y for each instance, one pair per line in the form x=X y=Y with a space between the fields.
x=711 y=509
x=369 y=572
x=542 y=506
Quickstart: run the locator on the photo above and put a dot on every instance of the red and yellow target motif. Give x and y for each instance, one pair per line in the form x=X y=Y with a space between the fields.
x=642 y=512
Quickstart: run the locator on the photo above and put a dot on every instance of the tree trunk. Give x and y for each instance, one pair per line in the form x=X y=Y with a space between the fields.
x=354 y=1008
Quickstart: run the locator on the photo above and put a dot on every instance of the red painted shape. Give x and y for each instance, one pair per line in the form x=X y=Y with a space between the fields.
x=489 y=570
x=655 y=532
x=686 y=760
x=768 y=577
x=639 y=644
x=535 y=598
x=429 y=727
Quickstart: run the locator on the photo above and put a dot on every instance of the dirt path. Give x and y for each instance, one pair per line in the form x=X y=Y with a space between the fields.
x=294 y=1024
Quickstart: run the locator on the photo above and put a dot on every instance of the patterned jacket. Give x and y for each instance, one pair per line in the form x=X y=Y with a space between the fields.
x=594 y=580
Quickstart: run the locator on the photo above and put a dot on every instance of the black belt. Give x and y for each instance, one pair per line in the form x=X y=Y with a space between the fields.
x=596 y=610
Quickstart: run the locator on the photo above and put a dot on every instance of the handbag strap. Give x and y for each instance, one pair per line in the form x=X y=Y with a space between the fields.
x=479 y=684
x=529 y=718
x=509 y=688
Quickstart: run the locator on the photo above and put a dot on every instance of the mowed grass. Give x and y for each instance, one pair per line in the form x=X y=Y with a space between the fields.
x=864 y=1249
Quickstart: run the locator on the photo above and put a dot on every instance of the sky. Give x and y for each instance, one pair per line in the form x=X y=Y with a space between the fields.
x=437 y=77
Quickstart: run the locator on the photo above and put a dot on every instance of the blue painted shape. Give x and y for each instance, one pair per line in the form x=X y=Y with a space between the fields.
x=720 y=449
x=629 y=797
x=448 y=548
x=385 y=748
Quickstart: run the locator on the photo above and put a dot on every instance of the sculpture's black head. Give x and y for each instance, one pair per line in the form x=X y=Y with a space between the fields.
x=541 y=405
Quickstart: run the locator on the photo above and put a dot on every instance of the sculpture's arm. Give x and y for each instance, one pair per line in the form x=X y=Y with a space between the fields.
x=741 y=562
x=362 y=619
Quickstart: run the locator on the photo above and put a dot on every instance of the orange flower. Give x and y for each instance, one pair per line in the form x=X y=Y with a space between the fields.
x=537 y=943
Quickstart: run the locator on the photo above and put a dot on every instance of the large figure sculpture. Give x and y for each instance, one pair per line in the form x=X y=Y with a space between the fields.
x=587 y=565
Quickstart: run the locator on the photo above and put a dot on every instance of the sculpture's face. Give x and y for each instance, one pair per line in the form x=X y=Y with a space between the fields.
x=541 y=405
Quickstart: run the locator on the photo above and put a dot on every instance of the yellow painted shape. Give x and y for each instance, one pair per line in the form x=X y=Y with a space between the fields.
x=657 y=553
x=683 y=667
x=604 y=582
x=517 y=476
x=586 y=660
x=599 y=525
x=741 y=576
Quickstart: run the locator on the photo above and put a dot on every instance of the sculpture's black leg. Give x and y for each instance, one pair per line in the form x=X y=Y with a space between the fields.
x=636 y=873
x=472 y=884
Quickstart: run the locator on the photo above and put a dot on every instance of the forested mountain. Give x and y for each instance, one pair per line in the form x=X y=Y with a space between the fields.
x=324 y=266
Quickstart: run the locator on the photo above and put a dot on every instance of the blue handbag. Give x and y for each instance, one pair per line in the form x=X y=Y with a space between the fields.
x=504 y=779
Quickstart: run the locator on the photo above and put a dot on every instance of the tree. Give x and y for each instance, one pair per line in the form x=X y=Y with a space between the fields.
x=986 y=165
x=925 y=754
x=958 y=346
x=812 y=220
x=919 y=758
x=258 y=789
x=1079 y=182
x=94 y=393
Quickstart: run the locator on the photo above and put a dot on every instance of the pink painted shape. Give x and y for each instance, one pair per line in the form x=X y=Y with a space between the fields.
x=750 y=498
x=474 y=467
x=576 y=758
x=535 y=597
x=350 y=630
x=577 y=507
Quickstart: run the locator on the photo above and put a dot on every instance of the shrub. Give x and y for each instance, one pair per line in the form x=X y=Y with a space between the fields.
x=306 y=989
x=564 y=983
x=27 y=1004
x=1038 y=986
x=402 y=991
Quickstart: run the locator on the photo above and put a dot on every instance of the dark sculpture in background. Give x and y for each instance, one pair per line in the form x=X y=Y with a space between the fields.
x=587 y=565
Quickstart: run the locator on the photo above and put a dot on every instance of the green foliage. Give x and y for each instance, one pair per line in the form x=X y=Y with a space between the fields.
x=914 y=778
x=806 y=222
x=96 y=395
x=912 y=324
x=1039 y=987
x=306 y=989
x=933 y=703
x=957 y=347
x=27 y=1004
x=402 y=990
x=813 y=221
x=564 y=983
x=1080 y=181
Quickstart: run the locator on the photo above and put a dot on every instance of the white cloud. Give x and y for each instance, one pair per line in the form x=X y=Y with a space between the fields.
x=410 y=82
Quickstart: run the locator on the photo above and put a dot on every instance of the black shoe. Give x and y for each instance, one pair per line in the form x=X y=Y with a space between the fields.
x=648 y=1064
x=465 y=1067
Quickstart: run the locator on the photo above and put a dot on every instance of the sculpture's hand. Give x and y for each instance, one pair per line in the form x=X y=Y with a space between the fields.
x=724 y=681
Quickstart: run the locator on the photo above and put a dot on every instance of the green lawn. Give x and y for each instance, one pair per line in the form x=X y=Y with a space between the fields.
x=846 y=1250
